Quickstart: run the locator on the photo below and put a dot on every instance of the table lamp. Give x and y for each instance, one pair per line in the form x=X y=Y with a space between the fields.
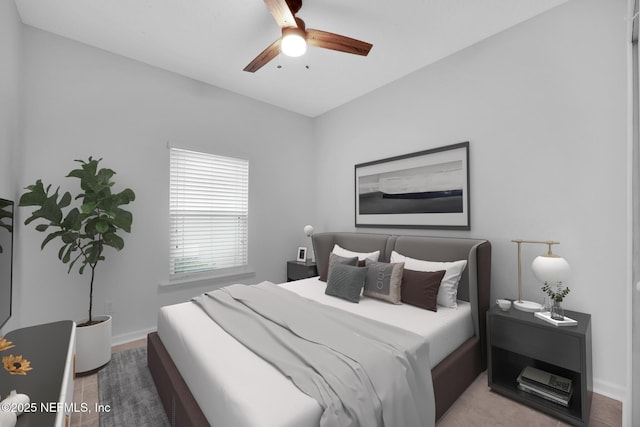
x=548 y=268
x=308 y=231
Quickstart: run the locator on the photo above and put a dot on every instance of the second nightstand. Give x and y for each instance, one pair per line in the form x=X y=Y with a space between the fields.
x=301 y=270
x=518 y=339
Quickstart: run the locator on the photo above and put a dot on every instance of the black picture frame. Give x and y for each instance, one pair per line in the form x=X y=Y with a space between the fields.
x=425 y=189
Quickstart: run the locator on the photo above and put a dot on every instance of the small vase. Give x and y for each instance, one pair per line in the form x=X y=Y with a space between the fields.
x=557 y=312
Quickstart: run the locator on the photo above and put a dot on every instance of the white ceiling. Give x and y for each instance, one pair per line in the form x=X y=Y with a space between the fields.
x=213 y=40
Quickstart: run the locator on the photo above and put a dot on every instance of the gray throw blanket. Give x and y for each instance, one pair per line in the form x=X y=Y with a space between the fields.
x=362 y=373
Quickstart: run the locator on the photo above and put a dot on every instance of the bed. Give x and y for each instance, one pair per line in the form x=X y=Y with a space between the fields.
x=457 y=354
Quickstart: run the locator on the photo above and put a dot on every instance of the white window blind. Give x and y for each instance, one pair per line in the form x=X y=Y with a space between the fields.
x=209 y=210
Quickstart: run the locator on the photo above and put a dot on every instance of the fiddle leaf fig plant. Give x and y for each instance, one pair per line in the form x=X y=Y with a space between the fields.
x=86 y=229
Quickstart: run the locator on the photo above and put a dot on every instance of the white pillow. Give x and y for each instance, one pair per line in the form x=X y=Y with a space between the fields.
x=448 y=292
x=373 y=256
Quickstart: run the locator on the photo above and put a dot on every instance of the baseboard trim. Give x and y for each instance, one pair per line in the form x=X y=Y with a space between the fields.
x=131 y=336
x=610 y=390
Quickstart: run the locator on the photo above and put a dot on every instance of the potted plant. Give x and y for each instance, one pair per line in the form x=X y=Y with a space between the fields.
x=556 y=295
x=84 y=232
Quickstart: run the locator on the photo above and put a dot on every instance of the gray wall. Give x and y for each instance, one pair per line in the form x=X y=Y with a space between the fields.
x=80 y=101
x=635 y=199
x=10 y=104
x=544 y=108
x=10 y=54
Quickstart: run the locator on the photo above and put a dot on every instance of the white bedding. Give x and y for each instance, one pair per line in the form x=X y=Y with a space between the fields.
x=234 y=387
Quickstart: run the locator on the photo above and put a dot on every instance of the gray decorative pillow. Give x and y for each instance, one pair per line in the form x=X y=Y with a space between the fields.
x=346 y=282
x=384 y=281
x=337 y=259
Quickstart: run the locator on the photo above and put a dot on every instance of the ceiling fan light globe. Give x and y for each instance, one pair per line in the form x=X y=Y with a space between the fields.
x=293 y=43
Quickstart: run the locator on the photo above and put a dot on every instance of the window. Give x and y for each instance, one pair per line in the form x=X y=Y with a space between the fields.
x=209 y=211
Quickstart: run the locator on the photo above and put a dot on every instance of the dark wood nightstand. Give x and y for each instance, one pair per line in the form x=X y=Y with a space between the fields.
x=518 y=339
x=297 y=270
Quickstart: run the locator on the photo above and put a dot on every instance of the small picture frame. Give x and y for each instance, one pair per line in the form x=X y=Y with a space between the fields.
x=302 y=254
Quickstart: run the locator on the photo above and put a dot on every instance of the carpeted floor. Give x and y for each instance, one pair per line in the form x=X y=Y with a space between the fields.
x=126 y=385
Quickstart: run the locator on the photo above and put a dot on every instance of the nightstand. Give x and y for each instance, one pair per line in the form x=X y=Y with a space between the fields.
x=297 y=270
x=51 y=350
x=518 y=339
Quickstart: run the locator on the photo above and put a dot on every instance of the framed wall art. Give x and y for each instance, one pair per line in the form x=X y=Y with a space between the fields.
x=427 y=189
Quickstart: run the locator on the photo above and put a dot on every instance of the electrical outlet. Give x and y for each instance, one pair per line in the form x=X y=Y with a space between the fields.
x=108 y=307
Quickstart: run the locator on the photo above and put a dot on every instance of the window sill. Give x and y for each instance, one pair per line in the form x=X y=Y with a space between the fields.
x=210 y=279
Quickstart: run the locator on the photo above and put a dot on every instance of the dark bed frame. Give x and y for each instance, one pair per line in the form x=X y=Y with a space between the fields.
x=450 y=377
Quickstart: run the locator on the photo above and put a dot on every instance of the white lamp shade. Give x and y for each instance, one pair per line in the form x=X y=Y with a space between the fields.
x=308 y=230
x=293 y=42
x=551 y=269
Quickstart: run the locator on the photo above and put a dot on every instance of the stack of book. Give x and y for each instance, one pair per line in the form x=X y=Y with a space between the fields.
x=553 y=388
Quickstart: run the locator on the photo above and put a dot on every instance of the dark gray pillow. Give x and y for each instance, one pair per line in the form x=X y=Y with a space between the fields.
x=336 y=259
x=346 y=282
x=384 y=281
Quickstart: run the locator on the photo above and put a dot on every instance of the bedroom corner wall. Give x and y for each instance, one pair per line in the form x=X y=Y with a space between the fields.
x=10 y=108
x=543 y=105
x=80 y=102
x=10 y=84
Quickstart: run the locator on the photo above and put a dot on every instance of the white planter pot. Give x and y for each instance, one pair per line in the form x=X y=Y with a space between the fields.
x=93 y=345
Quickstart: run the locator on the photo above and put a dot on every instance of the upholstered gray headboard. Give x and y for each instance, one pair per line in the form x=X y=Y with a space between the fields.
x=474 y=286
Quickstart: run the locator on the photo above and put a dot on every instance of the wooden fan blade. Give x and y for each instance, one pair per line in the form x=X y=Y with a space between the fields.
x=337 y=42
x=281 y=12
x=265 y=56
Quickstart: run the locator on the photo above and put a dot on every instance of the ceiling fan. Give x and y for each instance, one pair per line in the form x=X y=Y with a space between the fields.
x=295 y=36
